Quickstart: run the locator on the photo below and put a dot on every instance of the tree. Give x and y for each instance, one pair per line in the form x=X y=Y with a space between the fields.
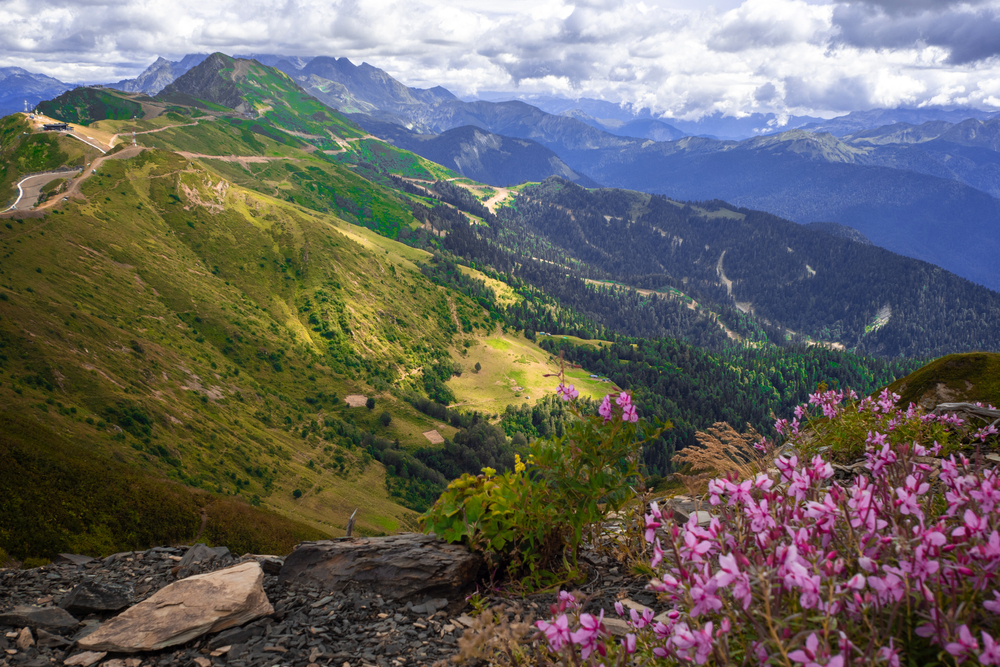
x=296 y=494
x=478 y=367
x=370 y=403
x=385 y=418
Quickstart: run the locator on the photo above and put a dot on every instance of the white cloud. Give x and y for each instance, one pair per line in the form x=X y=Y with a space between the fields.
x=677 y=56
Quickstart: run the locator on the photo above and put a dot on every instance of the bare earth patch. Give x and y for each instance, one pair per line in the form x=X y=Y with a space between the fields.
x=356 y=400
x=434 y=437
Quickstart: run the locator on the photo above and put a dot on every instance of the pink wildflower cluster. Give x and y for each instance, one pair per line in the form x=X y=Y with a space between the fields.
x=795 y=564
x=624 y=403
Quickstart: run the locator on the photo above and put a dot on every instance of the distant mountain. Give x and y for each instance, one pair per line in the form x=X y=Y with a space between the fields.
x=478 y=154
x=207 y=82
x=643 y=128
x=18 y=85
x=612 y=116
x=858 y=121
x=159 y=75
x=790 y=275
x=276 y=61
x=804 y=176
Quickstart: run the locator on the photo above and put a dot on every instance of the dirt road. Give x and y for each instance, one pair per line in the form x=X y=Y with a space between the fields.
x=30 y=188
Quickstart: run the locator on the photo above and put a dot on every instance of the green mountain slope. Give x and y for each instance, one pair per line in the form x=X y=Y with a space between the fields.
x=208 y=333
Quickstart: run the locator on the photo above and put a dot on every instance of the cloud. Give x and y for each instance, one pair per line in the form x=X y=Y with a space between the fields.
x=969 y=35
x=677 y=57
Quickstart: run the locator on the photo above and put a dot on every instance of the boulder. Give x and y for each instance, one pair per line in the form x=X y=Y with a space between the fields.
x=90 y=597
x=397 y=566
x=185 y=610
x=38 y=617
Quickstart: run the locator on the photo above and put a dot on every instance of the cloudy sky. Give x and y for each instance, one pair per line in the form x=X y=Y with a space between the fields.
x=684 y=58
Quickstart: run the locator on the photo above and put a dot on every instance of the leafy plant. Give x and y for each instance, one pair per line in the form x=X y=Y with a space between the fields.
x=530 y=521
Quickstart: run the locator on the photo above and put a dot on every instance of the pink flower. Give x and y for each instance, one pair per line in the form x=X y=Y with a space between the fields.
x=657 y=554
x=651 y=525
x=605 y=409
x=629 y=643
x=994 y=604
x=991 y=651
x=557 y=633
x=629 y=414
x=809 y=655
x=589 y=635
x=567 y=391
x=623 y=399
x=965 y=646
x=889 y=654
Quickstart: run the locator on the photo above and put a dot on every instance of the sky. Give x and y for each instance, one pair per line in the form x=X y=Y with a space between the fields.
x=681 y=58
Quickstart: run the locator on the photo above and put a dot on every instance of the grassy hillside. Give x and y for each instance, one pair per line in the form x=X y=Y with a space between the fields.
x=208 y=334
x=972 y=377
x=86 y=105
x=60 y=495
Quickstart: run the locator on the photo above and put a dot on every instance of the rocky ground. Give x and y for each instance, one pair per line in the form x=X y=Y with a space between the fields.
x=309 y=626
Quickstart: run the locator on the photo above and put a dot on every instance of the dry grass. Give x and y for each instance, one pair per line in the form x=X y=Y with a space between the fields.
x=499 y=636
x=721 y=450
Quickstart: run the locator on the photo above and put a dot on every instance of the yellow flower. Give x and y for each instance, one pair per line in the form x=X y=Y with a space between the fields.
x=489 y=472
x=518 y=465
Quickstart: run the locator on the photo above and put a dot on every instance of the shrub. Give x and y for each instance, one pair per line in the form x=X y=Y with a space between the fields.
x=297 y=493
x=385 y=419
x=798 y=569
x=370 y=403
x=530 y=521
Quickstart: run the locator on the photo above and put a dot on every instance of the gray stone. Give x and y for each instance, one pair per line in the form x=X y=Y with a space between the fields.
x=90 y=597
x=87 y=627
x=38 y=617
x=197 y=556
x=185 y=610
x=397 y=566
x=48 y=640
x=72 y=559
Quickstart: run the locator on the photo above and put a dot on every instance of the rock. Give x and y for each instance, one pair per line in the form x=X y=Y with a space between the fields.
x=48 y=640
x=397 y=566
x=184 y=610
x=24 y=640
x=38 y=617
x=197 y=556
x=234 y=636
x=272 y=565
x=72 y=559
x=90 y=597
x=85 y=659
x=87 y=627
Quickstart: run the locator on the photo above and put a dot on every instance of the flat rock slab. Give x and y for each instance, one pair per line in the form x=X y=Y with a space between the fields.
x=72 y=559
x=90 y=597
x=356 y=400
x=397 y=566
x=185 y=610
x=52 y=618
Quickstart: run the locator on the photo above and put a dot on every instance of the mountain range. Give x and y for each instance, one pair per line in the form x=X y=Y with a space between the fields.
x=18 y=86
x=904 y=178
